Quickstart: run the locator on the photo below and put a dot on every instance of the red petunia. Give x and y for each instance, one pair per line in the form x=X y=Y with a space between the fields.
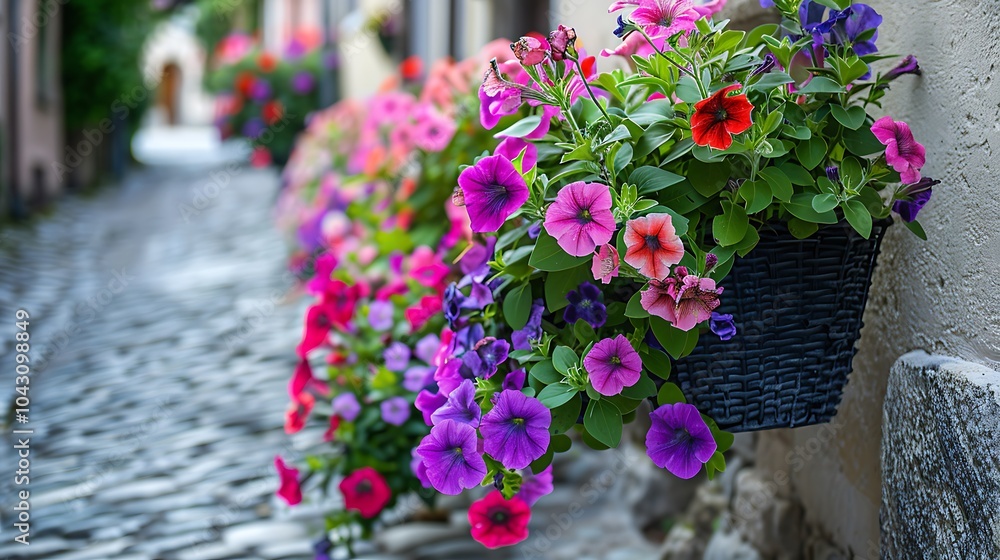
x=365 y=491
x=653 y=245
x=498 y=522
x=267 y=62
x=272 y=112
x=289 y=491
x=298 y=412
x=717 y=118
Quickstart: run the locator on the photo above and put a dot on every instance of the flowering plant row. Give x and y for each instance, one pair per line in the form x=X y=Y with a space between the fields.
x=367 y=198
x=259 y=91
x=620 y=214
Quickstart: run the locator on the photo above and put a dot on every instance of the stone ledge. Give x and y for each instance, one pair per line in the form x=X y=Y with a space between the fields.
x=940 y=460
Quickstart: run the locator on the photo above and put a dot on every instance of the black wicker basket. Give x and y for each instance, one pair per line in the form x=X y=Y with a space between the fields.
x=797 y=304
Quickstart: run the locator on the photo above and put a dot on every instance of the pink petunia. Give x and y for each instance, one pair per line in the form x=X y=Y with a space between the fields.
x=427 y=268
x=580 y=218
x=510 y=148
x=612 y=364
x=605 y=266
x=653 y=245
x=289 y=491
x=902 y=151
x=684 y=300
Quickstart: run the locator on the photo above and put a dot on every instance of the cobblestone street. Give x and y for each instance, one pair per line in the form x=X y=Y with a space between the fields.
x=161 y=345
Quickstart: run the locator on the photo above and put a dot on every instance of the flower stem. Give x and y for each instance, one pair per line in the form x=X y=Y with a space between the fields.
x=579 y=70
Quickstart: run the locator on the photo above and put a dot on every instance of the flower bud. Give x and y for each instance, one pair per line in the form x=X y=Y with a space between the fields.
x=529 y=50
x=562 y=42
x=711 y=259
x=907 y=66
x=833 y=173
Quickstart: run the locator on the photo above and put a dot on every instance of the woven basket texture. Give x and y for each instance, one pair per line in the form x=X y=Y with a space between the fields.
x=797 y=304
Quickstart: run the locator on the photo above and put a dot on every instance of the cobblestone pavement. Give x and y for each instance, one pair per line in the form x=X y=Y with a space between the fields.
x=161 y=346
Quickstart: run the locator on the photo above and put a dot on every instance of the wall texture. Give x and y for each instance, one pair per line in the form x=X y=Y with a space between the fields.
x=942 y=295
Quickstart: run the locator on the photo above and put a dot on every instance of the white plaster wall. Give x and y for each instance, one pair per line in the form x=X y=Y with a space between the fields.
x=364 y=65
x=942 y=295
x=174 y=42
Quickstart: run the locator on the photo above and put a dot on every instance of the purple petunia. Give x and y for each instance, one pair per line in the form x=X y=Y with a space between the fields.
x=461 y=406
x=395 y=410
x=612 y=364
x=532 y=330
x=260 y=90
x=497 y=97
x=516 y=431
x=679 y=440
x=427 y=402
x=303 y=83
x=515 y=380
x=585 y=303
x=426 y=347
x=535 y=486
x=418 y=377
x=346 y=406
x=917 y=195
x=452 y=460
x=511 y=148
x=397 y=357
x=493 y=190
x=484 y=358
x=380 y=315
x=722 y=325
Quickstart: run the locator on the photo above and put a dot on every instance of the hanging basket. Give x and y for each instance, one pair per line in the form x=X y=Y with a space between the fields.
x=797 y=304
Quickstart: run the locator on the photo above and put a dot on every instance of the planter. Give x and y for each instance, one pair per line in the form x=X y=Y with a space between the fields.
x=798 y=305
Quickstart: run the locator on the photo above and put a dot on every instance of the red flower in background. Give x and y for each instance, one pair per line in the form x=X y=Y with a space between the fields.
x=365 y=491
x=244 y=81
x=272 y=112
x=298 y=412
x=260 y=157
x=303 y=380
x=267 y=62
x=717 y=118
x=412 y=68
x=419 y=314
x=332 y=429
x=342 y=298
x=290 y=491
x=498 y=522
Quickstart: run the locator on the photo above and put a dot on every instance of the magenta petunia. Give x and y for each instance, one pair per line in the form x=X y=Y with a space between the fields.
x=450 y=454
x=580 y=218
x=516 y=431
x=289 y=490
x=664 y=18
x=612 y=364
x=685 y=300
x=510 y=148
x=497 y=97
x=902 y=151
x=535 y=486
x=493 y=190
x=679 y=440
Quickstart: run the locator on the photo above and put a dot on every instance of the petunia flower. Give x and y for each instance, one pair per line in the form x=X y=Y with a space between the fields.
x=395 y=410
x=461 y=406
x=331 y=430
x=516 y=431
x=452 y=460
x=580 y=218
x=380 y=315
x=427 y=347
x=722 y=325
x=427 y=268
x=679 y=440
x=497 y=97
x=365 y=491
x=585 y=303
x=418 y=315
x=289 y=489
x=419 y=469
x=685 y=300
x=605 y=265
x=298 y=412
x=485 y=356
x=512 y=147
x=562 y=42
x=532 y=330
x=418 y=377
x=303 y=380
x=397 y=356
x=346 y=406
x=848 y=26
x=902 y=151
x=716 y=119
x=493 y=190
x=535 y=486
x=612 y=364
x=665 y=18
x=908 y=65
x=324 y=266
x=652 y=245
x=916 y=196
x=428 y=402
x=303 y=83
x=514 y=380
x=530 y=50
x=433 y=131
x=498 y=522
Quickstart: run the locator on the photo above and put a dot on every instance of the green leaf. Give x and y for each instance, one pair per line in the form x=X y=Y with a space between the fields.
x=561 y=443
x=583 y=332
x=603 y=420
x=634 y=307
x=642 y=389
x=670 y=394
x=716 y=463
x=781 y=185
x=835 y=4
x=687 y=90
x=708 y=178
x=801 y=229
x=730 y=226
x=851 y=117
x=560 y=283
x=657 y=363
x=858 y=216
x=622 y=158
x=862 y=142
x=545 y=372
x=521 y=128
x=556 y=395
x=821 y=84
x=565 y=417
x=672 y=339
x=517 y=306
x=916 y=228
x=650 y=179
x=563 y=358
x=797 y=174
x=801 y=207
x=746 y=245
x=757 y=195
x=726 y=40
x=852 y=174
x=770 y=81
x=825 y=202
x=655 y=136
x=543 y=462
x=811 y=152
x=549 y=256
x=608 y=83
